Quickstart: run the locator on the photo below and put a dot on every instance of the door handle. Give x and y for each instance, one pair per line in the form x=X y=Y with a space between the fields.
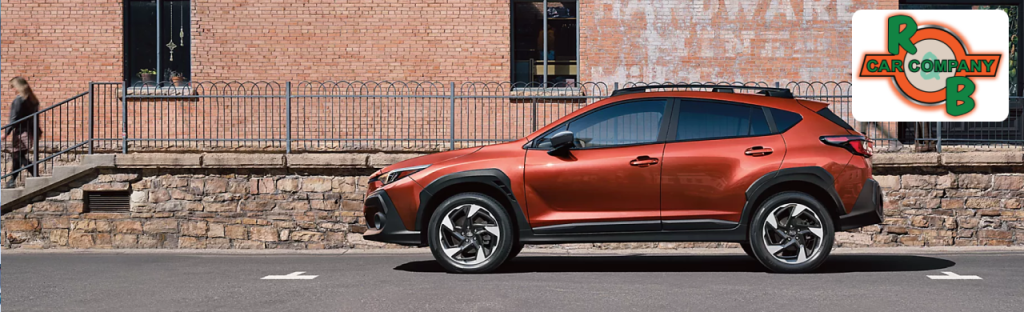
x=759 y=151
x=643 y=161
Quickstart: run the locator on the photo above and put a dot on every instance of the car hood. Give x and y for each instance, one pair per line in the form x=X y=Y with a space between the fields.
x=431 y=159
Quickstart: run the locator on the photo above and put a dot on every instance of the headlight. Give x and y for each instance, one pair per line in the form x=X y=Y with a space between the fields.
x=395 y=175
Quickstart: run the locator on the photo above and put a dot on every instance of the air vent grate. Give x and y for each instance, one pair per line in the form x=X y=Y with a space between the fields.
x=118 y=201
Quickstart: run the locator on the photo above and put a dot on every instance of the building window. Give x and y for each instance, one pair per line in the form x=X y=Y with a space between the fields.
x=1011 y=8
x=540 y=24
x=157 y=40
x=980 y=133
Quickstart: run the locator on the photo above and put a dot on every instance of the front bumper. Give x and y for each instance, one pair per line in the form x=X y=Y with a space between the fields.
x=867 y=210
x=384 y=224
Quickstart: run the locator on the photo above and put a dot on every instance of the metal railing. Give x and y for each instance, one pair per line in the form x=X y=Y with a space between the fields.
x=61 y=135
x=339 y=116
x=308 y=116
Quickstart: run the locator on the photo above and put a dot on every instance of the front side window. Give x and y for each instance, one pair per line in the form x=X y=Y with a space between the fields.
x=710 y=120
x=630 y=123
x=535 y=27
x=147 y=59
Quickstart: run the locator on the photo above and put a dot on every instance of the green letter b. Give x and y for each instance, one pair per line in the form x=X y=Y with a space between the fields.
x=954 y=96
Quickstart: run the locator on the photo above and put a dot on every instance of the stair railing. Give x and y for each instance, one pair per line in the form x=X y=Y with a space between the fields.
x=63 y=133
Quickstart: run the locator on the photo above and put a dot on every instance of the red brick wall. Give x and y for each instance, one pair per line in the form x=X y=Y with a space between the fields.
x=59 y=46
x=370 y=40
x=62 y=45
x=724 y=40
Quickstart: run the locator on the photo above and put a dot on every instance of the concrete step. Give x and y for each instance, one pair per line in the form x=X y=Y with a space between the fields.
x=10 y=195
x=98 y=161
x=35 y=183
x=62 y=173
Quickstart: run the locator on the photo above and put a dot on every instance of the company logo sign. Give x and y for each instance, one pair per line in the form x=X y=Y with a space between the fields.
x=930 y=65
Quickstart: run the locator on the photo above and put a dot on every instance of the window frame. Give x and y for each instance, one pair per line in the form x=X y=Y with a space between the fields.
x=673 y=131
x=160 y=42
x=670 y=111
x=545 y=83
x=1020 y=29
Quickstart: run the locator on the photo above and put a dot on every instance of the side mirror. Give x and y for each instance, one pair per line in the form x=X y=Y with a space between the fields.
x=561 y=143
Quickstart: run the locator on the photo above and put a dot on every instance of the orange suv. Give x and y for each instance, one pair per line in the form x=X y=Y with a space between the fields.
x=649 y=164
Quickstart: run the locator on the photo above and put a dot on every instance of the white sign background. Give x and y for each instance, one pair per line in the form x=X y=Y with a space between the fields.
x=983 y=31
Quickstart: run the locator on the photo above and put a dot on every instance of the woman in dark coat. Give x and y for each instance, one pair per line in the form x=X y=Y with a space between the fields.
x=23 y=133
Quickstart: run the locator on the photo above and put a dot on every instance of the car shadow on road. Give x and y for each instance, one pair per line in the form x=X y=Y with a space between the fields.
x=694 y=263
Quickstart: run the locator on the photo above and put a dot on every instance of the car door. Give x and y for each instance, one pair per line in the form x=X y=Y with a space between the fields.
x=715 y=152
x=611 y=179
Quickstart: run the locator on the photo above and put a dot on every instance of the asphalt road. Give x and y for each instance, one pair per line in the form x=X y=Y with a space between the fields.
x=535 y=282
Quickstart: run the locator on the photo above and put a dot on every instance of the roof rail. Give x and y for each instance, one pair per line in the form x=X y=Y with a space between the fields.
x=772 y=92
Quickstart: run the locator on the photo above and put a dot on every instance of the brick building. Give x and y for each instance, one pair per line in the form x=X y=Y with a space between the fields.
x=62 y=45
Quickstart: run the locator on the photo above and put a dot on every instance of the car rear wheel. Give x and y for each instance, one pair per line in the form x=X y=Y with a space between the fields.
x=792 y=233
x=516 y=249
x=748 y=250
x=470 y=233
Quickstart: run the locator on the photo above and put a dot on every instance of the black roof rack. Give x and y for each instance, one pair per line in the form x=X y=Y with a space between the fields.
x=772 y=92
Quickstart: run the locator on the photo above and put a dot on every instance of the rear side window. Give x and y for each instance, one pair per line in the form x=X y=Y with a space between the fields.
x=785 y=119
x=708 y=120
x=828 y=114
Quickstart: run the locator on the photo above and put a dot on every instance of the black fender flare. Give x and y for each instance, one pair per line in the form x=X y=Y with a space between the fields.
x=814 y=175
x=491 y=177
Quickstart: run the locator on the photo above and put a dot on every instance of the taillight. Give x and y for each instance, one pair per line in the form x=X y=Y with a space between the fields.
x=856 y=144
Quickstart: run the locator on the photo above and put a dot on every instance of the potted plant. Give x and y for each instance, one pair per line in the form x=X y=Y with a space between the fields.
x=147 y=75
x=178 y=79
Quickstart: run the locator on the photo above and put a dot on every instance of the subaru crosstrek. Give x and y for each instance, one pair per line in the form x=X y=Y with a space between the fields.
x=777 y=175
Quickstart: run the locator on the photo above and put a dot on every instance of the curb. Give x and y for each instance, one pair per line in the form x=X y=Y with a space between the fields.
x=528 y=250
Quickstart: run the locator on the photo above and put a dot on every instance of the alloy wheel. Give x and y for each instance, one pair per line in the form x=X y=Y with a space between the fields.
x=469 y=234
x=793 y=233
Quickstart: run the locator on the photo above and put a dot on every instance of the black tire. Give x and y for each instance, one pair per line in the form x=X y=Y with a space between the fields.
x=793 y=232
x=491 y=214
x=748 y=250
x=516 y=249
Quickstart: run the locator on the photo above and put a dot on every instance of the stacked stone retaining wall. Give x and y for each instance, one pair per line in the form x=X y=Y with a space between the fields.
x=278 y=202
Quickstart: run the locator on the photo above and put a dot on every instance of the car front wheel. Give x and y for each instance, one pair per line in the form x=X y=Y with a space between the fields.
x=470 y=233
x=791 y=233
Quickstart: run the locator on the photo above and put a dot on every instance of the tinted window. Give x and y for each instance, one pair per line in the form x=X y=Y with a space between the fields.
x=707 y=120
x=828 y=114
x=623 y=124
x=758 y=122
x=785 y=119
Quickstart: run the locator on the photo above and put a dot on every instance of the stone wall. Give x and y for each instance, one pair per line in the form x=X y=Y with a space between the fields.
x=202 y=208
x=951 y=209
x=277 y=202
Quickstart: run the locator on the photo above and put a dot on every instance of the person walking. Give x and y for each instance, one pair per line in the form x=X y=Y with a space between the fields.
x=22 y=134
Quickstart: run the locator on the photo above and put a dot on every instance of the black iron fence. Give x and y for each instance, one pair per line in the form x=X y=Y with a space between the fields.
x=304 y=117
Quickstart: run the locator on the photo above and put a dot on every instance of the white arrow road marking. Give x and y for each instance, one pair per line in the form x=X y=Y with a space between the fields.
x=953 y=276
x=293 y=276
